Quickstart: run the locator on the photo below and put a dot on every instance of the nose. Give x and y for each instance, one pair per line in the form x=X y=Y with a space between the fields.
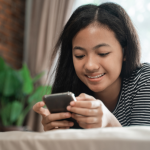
x=92 y=65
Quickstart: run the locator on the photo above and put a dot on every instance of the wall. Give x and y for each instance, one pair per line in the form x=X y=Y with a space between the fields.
x=12 y=16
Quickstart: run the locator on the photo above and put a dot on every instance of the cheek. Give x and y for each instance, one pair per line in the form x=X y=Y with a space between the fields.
x=113 y=65
x=116 y=65
x=119 y=61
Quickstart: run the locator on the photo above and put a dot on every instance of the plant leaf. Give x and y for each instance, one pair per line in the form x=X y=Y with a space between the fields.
x=38 y=94
x=37 y=77
x=23 y=114
x=48 y=90
x=16 y=109
x=27 y=84
x=20 y=120
x=2 y=81
x=8 y=88
x=5 y=114
x=17 y=83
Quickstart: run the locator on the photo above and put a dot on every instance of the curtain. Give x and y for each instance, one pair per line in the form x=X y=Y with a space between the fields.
x=44 y=22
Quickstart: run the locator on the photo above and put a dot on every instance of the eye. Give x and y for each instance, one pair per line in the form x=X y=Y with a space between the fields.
x=79 y=57
x=103 y=54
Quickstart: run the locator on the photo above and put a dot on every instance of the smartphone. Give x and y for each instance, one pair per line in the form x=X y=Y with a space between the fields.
x=57 y=103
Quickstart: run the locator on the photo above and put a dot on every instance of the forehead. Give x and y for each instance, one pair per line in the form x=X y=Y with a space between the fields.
x=94 y=34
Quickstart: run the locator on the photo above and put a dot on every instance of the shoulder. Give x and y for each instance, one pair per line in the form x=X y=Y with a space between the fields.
x=143 y=72
x=138 y=81
x=141 y=101
x=134 y=101
x=140 y=76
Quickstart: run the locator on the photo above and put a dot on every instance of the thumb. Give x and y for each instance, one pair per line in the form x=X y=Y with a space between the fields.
x=38 y=107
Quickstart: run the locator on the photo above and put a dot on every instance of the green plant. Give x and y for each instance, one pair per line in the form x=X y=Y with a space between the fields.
x=18 y=93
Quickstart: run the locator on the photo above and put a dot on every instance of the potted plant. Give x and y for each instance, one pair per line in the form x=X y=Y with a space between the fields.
x=17 y=94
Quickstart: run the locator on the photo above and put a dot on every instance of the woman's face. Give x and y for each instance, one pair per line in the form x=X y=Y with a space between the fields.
x=97 y=58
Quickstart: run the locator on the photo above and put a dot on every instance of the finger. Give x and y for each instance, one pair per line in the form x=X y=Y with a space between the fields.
x=84 y=119
x=86 y=104
x=56 y=128
x=82 y=125
x=87 y=126
x=38 y=107
x=60 y=128
x=83 y=111
x=58 y=124
x=84 y=96
x=62 y=124
x=56 y=116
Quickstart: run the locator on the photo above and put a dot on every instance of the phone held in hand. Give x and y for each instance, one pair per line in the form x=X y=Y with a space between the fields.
x=57 y=103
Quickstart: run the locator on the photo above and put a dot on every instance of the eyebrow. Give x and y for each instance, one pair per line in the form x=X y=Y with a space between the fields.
x=95 y=47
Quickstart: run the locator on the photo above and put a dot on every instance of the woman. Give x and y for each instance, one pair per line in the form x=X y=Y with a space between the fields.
x=100 y=62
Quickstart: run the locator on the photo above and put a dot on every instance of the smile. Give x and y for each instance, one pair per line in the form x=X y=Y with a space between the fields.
x=94 y=77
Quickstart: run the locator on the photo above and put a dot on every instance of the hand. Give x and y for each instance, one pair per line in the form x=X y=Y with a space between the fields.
x=51 y=121
x=91 y=113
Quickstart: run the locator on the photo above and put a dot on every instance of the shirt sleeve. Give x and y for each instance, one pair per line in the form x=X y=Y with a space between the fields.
x=140 y=114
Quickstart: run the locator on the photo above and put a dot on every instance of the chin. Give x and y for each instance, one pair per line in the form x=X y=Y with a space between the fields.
x=96 y=89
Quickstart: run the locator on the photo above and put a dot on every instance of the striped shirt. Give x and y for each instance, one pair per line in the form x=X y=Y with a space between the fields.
x=133 y=107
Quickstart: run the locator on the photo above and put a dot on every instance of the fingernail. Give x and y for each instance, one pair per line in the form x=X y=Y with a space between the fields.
x=67 y=115
x=68 y=108
x=72 y=103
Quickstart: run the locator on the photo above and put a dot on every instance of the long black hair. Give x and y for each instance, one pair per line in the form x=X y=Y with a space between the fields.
x=111 y=15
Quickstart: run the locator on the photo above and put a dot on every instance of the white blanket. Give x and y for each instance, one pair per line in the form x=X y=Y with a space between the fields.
x=126 y=138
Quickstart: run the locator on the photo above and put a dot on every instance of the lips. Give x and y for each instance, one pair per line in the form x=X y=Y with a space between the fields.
x=96 y=76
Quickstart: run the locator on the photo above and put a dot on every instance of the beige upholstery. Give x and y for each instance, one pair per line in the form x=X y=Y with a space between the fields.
x=127 y=138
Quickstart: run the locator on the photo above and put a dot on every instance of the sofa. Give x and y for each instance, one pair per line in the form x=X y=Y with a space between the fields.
x=126 y=138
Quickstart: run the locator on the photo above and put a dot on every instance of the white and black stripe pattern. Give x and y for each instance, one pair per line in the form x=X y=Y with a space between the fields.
x=133 y=107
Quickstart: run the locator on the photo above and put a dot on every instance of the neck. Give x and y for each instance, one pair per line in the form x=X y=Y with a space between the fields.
x=110 y=95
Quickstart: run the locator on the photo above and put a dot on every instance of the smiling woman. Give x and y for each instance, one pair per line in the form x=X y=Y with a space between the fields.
x=100 y=63
x=96 y=54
